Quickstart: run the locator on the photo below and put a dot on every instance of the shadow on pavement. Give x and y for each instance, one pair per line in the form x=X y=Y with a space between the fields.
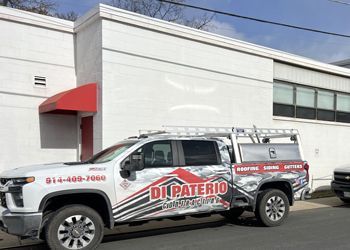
x=158 y=228
x=329 y=201
x=246 y=220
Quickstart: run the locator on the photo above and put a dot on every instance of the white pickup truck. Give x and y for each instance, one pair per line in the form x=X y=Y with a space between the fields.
x=178 y=172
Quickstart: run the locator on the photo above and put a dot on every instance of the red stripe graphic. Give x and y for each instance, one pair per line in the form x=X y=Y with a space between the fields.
x=251 y=168
x=182 y=174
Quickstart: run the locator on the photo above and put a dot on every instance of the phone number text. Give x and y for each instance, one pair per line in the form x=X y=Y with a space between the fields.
x=73 y=179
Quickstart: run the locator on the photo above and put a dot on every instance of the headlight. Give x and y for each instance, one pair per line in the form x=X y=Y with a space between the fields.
x=14 y=186
x=22 y=181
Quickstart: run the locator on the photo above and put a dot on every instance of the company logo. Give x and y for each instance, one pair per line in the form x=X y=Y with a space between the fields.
x=347 y=177
x=189 y=190
x=125 y=184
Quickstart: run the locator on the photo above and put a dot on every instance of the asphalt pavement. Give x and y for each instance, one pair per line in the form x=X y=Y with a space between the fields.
x=321 y=228
x=314 y=224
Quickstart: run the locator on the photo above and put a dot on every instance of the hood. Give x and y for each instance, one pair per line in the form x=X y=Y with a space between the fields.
x=33 y=170
x=345 y=169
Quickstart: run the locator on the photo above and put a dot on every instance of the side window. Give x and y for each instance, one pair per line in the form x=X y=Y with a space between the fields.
x=200 y=153
x=158 y=154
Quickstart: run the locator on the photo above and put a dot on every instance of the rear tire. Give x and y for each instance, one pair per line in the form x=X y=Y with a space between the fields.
x=272 y=207
x=233 y=213
x=74 y=227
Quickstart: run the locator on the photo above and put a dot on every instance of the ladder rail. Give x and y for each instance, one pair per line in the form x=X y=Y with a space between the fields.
x=256 y=135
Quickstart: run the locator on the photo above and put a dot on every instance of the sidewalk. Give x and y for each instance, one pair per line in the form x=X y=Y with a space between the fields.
x=7 y=241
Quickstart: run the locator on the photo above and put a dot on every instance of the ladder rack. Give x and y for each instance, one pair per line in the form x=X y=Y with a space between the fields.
x=256 y=135
x=194 y=131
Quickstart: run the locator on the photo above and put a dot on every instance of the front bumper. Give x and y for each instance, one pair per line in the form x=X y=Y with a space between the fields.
x=21 y=224
x=340 y=188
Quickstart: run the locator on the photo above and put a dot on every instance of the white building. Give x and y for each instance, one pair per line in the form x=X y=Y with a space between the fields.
x=147 y=73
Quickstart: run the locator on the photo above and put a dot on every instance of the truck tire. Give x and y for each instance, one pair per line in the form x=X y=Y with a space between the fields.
x=233 y=213
x=74 y=227
x=272 y=207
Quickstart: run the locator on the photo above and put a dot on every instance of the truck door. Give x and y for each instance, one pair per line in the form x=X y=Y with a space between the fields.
x=141 y=195
x=205 y=171
x=179 y=177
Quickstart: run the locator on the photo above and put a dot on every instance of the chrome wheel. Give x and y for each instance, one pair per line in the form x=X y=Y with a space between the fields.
x=275 y=208
x=76 y=232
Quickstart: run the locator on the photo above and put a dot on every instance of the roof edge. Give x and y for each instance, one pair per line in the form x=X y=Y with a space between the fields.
x=26 y=17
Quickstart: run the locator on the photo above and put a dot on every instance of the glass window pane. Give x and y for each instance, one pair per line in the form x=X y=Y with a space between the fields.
x=343 y=102
x=283 y=110
x=306 y=113
x=199 y=153
x=283 y=93
x=305 y=97
x=325 y=115
x=325 y=100
x=343 y=117
x=157 y=154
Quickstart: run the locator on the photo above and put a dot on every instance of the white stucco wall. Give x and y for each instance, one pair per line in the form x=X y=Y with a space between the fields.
x=27 y=51
x=151 y=79
x=89 y=69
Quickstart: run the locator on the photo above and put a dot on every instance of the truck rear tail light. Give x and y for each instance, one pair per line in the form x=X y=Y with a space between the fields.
x=307 y=167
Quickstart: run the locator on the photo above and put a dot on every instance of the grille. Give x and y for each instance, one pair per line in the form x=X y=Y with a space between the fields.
x=342 y=177
x=3 y=200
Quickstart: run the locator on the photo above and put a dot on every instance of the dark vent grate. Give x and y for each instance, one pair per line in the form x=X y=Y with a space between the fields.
x=40 y=81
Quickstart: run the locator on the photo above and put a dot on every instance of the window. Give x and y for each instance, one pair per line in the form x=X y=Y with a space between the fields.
x=283 y=99
x=158 y=154
x=305 y=103
x=200 y=153
x=292 y=100
x=283 y=93
x=325 y=105
x=343 y=108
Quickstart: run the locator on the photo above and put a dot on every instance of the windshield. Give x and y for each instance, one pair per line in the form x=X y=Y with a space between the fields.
x=110 y=153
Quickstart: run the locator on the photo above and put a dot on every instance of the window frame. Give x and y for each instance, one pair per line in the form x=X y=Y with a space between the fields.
x=182 y=161
x=316 y=109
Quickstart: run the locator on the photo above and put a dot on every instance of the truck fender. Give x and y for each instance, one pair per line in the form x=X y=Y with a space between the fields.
x=80 y=191
x=289 y=183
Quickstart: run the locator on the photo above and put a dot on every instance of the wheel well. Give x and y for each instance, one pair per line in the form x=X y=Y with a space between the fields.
x=284 y=186
x=94 y=200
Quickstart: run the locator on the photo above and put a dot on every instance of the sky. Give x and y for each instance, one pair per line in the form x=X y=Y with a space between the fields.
x=317 y=14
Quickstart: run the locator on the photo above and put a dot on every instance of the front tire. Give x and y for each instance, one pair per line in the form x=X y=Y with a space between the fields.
x=272 y=207
x=74 y=227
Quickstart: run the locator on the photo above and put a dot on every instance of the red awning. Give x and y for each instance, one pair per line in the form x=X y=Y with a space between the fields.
x=82 y=98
